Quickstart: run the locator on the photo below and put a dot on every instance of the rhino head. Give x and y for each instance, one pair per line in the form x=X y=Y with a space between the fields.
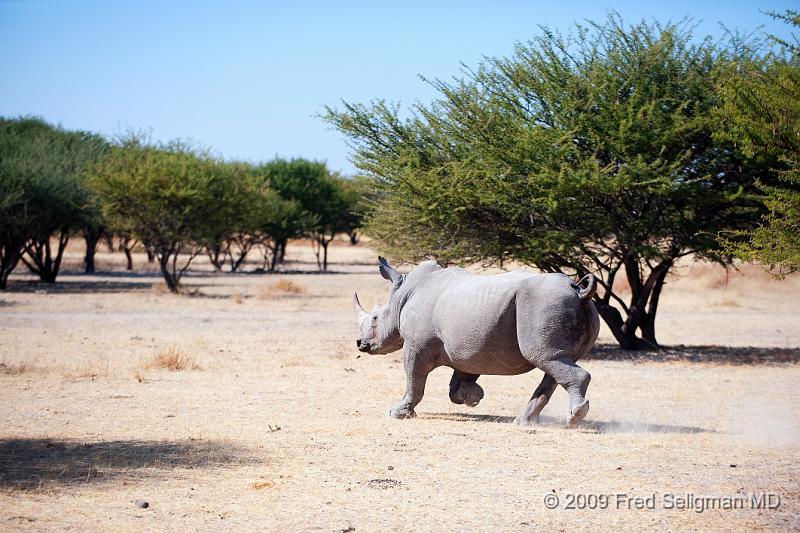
x=379 y=330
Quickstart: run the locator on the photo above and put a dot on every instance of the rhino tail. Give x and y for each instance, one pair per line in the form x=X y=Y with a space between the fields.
x=586 y=294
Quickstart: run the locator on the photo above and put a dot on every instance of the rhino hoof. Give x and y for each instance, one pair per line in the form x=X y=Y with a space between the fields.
x=469 y=394
x=523 y=423
x=579 y=412
x=402 y=411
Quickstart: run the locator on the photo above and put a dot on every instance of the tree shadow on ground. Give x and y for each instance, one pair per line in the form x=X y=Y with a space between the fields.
x=27 y=464
x=83 y=284
x=298 y=272
x=733 y=355
x=79 y=287
x=116 y=282
x=597 y=426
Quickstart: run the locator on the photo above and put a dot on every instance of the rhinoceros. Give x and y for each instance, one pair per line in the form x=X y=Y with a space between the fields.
x=502 y=324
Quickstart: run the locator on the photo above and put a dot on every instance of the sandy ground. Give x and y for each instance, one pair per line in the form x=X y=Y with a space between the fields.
x=283 y=426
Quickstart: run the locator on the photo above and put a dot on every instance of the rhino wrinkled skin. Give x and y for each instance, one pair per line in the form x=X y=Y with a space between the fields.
x=503 y=324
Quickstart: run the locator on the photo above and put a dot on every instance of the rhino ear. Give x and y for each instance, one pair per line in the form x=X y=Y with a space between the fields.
x=388 y=272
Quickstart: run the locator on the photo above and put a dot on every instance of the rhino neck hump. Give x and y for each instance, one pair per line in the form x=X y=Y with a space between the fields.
x=421 y=285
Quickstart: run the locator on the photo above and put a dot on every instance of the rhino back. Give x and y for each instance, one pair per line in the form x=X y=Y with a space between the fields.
x=475 y=319
x=493 y=324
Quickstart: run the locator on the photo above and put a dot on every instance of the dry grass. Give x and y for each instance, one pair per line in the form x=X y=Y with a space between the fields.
x=289 y=430
x=283 y=287
x=715 y=278
x=724 y=301
x=138 y=375
x=159 y=288
x=93 y=368
x=16 y=369
x=172 y=359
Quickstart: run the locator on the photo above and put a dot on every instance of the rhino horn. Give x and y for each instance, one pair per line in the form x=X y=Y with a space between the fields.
x=360 y=313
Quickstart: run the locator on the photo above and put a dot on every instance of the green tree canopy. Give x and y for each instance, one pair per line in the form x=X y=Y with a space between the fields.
x=42 y=192
x=591 y=152
x=166 y=195
x=760 y=109
x=238 y=201
x=328 y=202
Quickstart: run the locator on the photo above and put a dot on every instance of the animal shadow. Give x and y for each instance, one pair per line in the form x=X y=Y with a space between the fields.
x=596 y=426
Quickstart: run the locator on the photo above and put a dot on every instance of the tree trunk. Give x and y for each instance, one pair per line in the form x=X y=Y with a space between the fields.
x=613 y=319
x=108 y=237
x=238 y=253
x=282 y=257
x=316 y=245
x=648 y=326
x=275 y=253
x=11 y=255
x=169 y=276
x=239 y=260
x=92 y=236
x=325 y=255
x=354 y=237
x=128 y=258
x=214 y=253
x=640 y=314
x=88 y=258
x=45 y=265
x=126 y=245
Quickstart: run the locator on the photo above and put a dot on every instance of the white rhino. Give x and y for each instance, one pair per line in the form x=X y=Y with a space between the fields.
x=504 y=324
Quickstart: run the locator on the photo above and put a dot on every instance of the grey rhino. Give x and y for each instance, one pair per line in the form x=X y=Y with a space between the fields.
x=503 y=324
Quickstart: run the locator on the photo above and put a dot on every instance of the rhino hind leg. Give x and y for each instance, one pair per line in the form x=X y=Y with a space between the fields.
x=542 y=394
x=464 y=389
x=575 y=381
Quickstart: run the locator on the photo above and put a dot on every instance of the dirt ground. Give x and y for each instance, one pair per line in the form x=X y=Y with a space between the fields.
x=278 y=423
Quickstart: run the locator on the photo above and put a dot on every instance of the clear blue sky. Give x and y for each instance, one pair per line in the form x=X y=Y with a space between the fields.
x=249 y=78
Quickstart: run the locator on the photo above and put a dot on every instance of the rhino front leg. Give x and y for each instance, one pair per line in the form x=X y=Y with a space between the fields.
x=464 y=389
x=537 y=402
x=417 y=370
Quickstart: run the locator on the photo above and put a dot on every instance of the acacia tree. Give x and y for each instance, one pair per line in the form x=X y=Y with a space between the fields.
x=93 y=230
x=42 y=172
x=587 y=153
x=66 y=204
x=236 y=232
x=337 y=214
x=277 y=220
x=252 y=214
x=18 y=148
x=126 y=245
x=760 y=108
x=328 y=203
x=307 y=184
x=55 y=201
x=166 y=195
